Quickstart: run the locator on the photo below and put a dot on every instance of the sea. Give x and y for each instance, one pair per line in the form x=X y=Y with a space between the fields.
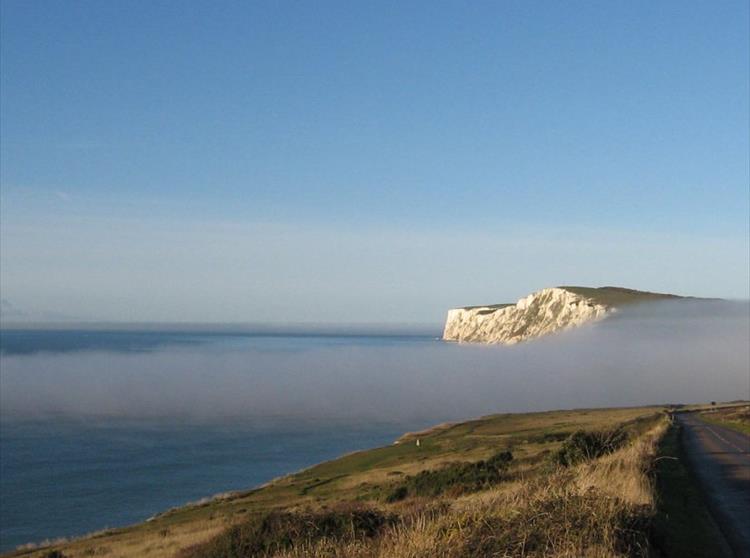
x=79 y=454
x=105 y=427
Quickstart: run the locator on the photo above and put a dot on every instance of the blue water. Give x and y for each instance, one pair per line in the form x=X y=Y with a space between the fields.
x=105 y=428
x=67 y=477
x=73 y=470
x=31 y=342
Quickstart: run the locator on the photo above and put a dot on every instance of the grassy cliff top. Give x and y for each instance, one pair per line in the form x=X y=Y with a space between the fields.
x=607 y=296
x=492 y=307
x=618 y=296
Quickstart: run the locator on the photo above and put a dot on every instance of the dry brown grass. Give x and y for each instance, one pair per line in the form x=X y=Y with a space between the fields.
x=592 y=509
x=596 y=509
x=625 y=473
x=163 y=543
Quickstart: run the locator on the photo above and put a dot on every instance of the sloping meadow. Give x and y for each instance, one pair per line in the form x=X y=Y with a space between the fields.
x=592 y=495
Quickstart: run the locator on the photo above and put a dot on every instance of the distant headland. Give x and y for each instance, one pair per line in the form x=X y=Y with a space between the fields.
x=540 y=313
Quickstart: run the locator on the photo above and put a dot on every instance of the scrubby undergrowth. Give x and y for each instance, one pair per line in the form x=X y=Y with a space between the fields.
x=594 y=497
x=454 y=479
x=448 y=491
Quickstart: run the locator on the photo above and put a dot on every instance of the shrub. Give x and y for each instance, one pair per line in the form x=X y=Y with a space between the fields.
x=276 y=531
x=456 y=478
x=398 y=493
x=583 y=445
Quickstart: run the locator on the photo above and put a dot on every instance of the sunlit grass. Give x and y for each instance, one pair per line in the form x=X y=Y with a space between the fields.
x=454 y=514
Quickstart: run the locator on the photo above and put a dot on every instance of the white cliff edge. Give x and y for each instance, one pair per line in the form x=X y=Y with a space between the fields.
x=540 y=313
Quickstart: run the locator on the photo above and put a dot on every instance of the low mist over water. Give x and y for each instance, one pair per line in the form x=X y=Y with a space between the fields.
x=669 y=352
x=129 y=423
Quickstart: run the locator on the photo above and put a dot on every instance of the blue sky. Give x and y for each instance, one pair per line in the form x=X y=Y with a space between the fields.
x=344 y=161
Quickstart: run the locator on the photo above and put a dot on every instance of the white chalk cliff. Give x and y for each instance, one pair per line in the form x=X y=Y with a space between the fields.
x=540 y=313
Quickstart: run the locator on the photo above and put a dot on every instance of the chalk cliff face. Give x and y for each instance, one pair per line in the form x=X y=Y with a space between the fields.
x=538 y=314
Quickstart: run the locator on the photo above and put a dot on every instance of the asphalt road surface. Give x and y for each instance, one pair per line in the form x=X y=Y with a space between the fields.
x=720 y=457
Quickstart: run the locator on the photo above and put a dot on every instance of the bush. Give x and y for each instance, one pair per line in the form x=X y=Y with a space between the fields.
x=276 y=531
x=583 y=445
x=398 y=493
x=456 y=478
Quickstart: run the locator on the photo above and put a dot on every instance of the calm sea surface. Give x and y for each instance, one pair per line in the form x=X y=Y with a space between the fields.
x=68 y=467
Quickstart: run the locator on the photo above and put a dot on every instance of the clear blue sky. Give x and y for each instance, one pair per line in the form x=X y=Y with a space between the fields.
x=352 y=161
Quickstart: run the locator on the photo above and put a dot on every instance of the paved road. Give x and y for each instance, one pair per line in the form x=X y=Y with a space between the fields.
x=721 y=459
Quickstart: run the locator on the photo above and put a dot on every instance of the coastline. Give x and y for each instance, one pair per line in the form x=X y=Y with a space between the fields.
x=337 y=478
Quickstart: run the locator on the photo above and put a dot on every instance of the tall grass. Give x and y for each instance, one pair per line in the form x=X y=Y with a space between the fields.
x=601 y=506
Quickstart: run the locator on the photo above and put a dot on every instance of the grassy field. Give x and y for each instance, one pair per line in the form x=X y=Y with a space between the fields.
x=618 y=296
x=505 y=468
x=543 y=487
x=490 y=307
x=607 y=296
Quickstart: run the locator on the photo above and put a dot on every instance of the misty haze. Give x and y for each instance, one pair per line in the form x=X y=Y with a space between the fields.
x=668 y=352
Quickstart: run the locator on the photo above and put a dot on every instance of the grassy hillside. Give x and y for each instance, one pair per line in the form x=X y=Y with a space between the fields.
x=618 y=296
x=491 y=307
x=607 y=296
x=558 y=483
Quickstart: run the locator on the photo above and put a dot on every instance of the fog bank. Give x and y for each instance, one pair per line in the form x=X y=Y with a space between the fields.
x=670 y=352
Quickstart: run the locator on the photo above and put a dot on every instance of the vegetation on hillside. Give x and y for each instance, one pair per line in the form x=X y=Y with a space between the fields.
x=564 y=483
x=455 y=479
x=606 y=296
x=618 y=296
x=601 y=506
x=489 y=307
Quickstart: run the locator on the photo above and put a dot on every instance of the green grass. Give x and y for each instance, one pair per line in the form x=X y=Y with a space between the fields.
x=456 y=478
x=683 y=526
x=618 y=296
x=490 y=307
x=607 y=296
x=365 y=476
x=550 y=516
